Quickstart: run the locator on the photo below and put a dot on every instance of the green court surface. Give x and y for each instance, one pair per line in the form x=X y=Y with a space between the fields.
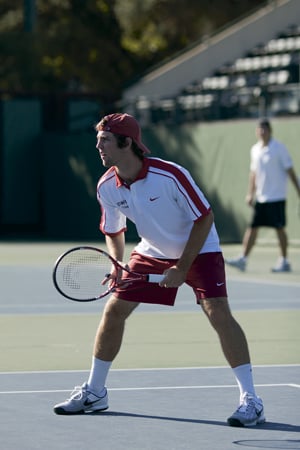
x=53 y=342
x=173 y=338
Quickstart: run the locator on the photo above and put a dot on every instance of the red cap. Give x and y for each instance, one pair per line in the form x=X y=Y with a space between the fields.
x=125 y=125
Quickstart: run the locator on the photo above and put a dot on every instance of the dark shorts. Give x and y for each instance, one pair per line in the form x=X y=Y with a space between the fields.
x=269 y=214
x=206 y=277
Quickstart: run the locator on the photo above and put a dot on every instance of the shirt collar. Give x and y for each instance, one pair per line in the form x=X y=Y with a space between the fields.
x=141 y=175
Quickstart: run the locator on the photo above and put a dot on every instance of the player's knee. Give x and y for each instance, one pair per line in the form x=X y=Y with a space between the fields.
x=218 y=312
x=116 y=310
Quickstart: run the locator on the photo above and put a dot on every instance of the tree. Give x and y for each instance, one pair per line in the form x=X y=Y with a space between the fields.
x=97 y=46
x=156 y=29
x=72 y=48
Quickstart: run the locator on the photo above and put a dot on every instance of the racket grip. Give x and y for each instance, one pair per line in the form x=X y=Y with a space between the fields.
x=155 y=277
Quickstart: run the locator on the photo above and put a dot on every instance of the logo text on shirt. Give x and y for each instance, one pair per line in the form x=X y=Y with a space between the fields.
x=122 y=204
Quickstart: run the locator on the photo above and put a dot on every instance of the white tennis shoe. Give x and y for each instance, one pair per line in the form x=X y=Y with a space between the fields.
x=81 y=401
x=282 y=266
x=249 y=413
x=238 y=263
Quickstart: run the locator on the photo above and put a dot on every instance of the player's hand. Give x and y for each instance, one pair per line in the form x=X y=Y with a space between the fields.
x=112 y=276
x=249 y=200
x=174 y=278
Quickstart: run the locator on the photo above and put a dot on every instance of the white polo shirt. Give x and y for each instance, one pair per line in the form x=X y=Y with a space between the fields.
x=270 y=164
x=163 y=203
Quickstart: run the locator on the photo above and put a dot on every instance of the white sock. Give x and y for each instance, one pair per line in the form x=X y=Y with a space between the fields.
x=243 y=376
x=98 y=375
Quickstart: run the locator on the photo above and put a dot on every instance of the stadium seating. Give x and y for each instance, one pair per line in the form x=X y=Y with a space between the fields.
x=265 y=81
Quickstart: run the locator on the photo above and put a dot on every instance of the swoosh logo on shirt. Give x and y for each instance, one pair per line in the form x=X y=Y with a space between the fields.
x=220 y=284
x=152 y=199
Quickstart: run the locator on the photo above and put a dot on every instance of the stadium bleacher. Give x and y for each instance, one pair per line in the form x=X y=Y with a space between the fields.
x=265 y=81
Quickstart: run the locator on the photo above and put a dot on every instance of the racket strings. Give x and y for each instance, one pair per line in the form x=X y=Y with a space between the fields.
x=80 y=274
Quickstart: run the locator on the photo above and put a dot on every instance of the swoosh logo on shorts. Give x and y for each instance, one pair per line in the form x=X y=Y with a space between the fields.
x=152 y=199
x=220 y=284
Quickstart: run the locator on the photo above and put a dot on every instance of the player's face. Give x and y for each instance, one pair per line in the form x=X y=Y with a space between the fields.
x=109 y=151
x=263 y=133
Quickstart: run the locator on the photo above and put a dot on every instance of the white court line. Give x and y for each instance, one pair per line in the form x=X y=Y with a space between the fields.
x=32 y=372
x=251 y=279
x=153 y=388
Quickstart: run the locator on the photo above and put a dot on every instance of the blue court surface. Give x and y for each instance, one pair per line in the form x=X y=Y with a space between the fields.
x=150 y=409
x=176 y=409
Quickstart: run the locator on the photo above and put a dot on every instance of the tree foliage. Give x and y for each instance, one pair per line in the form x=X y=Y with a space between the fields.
x=74 y=46
x=165 y=26
x=99 y=45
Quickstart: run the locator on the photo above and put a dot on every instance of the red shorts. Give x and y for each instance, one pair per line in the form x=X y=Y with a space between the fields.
x=206 y=277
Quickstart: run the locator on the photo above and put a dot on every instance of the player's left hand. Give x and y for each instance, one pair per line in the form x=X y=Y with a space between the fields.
x=174 y=278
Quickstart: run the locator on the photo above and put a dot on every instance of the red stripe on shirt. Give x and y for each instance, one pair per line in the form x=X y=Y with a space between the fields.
x=183 y=180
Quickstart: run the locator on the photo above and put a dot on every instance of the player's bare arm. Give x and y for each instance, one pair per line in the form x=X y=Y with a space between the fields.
x=251 y=189
x=294 y=179
x=115 y=246
x=176 y=275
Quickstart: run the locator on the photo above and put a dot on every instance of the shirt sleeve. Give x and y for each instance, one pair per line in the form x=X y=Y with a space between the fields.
x=285 y=157
x=112 y=221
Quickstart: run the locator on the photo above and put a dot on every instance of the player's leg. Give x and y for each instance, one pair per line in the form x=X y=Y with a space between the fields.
x=283 y=241
x=235 y=348
x=207 y=278
x=231 y=335
x=92 y=396
x=278 y=221
x=109 y=335
x=283 y=264
x=249 y=240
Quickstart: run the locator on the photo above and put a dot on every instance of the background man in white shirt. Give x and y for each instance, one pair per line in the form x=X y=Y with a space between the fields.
x=270 y=167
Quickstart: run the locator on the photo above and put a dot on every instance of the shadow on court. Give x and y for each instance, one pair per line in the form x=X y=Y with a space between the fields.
x=271 y=444
x=178 y=409
x=276 y=426
x=150 y=409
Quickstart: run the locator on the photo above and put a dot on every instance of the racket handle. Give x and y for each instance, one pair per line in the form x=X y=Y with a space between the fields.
x=155 y=277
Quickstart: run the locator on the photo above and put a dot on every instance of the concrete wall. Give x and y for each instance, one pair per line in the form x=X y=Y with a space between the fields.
x=218 y=156
x=20 y=156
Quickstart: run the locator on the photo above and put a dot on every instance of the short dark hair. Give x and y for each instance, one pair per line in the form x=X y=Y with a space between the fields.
x=121 y=141
x=265 y=123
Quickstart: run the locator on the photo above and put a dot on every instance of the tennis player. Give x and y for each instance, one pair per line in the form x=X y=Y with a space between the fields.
x=178 y=239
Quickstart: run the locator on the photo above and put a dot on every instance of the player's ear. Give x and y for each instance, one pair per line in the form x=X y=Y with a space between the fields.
x=125 y=142
x=128 y=142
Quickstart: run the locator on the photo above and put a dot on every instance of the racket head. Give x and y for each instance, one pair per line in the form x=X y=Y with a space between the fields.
x=78 y=273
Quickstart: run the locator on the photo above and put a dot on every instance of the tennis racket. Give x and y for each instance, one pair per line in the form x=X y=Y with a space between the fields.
x=82 y=274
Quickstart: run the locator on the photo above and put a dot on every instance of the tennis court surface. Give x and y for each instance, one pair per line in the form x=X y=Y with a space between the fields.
x=173 y=393
x=181 y=408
